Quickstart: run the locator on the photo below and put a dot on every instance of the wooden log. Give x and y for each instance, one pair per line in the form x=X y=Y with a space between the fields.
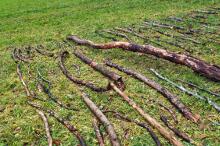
x=62 y=57
x=102 y=118
x=163 y=131
x=64 y=122
x=102 y=69
x=206 y=69
x=172 y=98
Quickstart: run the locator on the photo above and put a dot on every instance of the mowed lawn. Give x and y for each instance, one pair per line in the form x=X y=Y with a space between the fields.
x=26 y=22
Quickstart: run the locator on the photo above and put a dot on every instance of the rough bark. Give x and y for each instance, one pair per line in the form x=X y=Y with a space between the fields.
x=163 y=131
x=78 y=81
x=172 y=98
x=102 y=118
x=64 y=122
x=103 y=70
x=141 y=124
x=200 y=66
x=97 y=132
x=176 y=131
x=47 y=127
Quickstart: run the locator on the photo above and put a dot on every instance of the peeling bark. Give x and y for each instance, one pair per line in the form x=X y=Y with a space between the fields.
x=200 y=66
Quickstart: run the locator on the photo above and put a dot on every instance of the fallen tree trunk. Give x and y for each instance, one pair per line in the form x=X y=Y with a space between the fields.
x=163 y=131
x=103 y=70
x=78 y=81
x=102 y=118
x=172 y=98
x=200 y=66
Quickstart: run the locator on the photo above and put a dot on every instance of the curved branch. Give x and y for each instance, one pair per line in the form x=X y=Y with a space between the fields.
x=75 y=80
x=206 y=69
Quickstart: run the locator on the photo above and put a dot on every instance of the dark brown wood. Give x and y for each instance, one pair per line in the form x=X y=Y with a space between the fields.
x=62 y=57
x=64 y=122
x=141 y=124
x=102 y=69
x=169 y=135
x=206 y=69
x=97 y=132
x=167 y=94
x=180 y=134
x=102 y=118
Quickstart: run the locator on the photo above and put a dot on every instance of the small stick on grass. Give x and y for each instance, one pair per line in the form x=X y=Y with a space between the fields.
x=47 y=127
x=163 y=131
x=200 y=88
x=64 y=122
x=22 y=80
x=141 y=124
x=97 y=132
x=102 y=118
x=176 y=131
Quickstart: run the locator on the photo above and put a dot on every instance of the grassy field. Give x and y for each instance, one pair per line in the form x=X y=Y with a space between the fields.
x=26 y=22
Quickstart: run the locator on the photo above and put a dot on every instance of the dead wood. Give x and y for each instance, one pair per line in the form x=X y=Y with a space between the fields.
x=141 y=124
x=190 y=93
x=97 y=132
x=47 y=127
x=118 y=34
x=39 y=49
x=172 y=98
x=18 y=57
x=200 y=66
x=200 y=88
x=64 y=122
x=55 y=99
x=102 y=118
x=172 y=113
x=180 y=134
x=102 y=69
x=164 y=132
x=19 y=72
x=62 y=57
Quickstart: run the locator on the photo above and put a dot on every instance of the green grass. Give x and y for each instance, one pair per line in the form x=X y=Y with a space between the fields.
x=28 y=22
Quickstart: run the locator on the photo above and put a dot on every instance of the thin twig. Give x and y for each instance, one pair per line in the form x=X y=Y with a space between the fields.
x=47 y=127
x=181 y=88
